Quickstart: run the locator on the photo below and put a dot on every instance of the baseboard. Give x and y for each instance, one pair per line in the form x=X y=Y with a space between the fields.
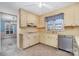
x=48 y=45
x=39 y=43
x=31 y=46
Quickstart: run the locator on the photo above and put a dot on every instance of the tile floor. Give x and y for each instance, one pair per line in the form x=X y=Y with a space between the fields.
x=9 y=48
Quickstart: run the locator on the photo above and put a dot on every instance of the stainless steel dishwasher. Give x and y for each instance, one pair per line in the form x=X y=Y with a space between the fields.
x=65 y=42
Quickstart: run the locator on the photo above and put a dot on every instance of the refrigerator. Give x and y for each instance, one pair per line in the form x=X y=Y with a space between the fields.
x=65 y=42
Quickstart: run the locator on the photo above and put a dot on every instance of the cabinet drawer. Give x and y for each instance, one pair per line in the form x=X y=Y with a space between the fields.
x=75 y=45
x=75 y=51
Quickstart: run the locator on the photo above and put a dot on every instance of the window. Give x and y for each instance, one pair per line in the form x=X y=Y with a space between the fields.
x=55 y=23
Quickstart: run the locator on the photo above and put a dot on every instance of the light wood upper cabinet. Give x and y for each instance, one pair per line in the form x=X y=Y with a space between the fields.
x=27 y=17
x=76 y=15
x=23 y=18
x=32 y=19
x=69 y=16
x=41 y=22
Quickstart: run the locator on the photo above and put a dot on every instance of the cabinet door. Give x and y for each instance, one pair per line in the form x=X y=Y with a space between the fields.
x=77 y=15
x=42 y=37
x=32 y=19
x=69 y=16
x=41 y=22
x=26 y=41
x=49 y=39
x=75 y=51
x=34 y=38
x=75 y=48
x=23 y=19
x=30 y=39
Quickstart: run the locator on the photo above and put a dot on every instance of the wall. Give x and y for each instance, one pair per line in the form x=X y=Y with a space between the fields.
x=2 y=26
x=0 y=34
x=8 y=10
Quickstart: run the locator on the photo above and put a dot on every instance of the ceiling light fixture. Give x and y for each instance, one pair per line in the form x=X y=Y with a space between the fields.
x=40 y=4
x=45 y=5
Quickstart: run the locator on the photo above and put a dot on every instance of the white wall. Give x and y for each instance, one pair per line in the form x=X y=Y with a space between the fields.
x=7 y=9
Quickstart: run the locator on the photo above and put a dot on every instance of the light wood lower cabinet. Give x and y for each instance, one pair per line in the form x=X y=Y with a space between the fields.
x=75 y=51
x=49 y=39
x=75 y=48
x=30 y=39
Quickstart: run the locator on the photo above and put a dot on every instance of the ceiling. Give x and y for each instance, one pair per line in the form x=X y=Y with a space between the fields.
x=35 y=7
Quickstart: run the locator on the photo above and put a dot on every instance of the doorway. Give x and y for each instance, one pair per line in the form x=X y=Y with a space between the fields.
x=10 y=28
x=8 y=33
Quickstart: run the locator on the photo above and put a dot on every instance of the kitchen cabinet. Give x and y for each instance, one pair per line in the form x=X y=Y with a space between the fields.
x=42 y=37
x=32 y=19
x=41 y=22
x=49 y=39
x=69 y=16
x=23 y=18
x=75 y=48
x=30 y=39
x=26 y=18
x=76 y=15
